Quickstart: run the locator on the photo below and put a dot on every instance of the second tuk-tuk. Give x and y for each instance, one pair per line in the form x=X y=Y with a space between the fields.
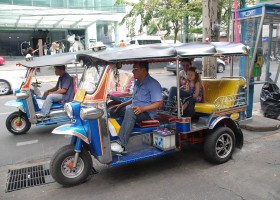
x=29 y=100
x=93 y=129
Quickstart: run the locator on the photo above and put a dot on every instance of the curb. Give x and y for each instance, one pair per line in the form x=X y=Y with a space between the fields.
x=260 y=124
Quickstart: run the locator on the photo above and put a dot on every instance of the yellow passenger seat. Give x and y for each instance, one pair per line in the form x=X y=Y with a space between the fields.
x=225 y=88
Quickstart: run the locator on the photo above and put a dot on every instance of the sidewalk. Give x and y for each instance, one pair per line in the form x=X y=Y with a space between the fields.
x=258 y=122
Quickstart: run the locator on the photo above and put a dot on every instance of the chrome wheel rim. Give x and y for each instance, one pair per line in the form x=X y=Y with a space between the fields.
x=68 y=170
x=224 y=145
x=18 y=126
x=220 y=68
x=4 y=88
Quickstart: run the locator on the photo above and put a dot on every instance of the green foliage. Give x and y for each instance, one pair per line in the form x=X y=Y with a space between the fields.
x=168 y=15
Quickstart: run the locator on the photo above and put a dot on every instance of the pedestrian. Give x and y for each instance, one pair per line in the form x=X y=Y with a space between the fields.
x=45 y=48
x=53 y=48
x=122 y=44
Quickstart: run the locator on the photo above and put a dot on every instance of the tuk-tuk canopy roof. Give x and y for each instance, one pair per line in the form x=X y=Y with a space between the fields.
x=164 y=52
x=50 y=60
x=153 y=53
x=157 y=52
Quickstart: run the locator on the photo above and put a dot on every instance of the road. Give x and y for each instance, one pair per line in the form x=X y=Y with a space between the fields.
x=37 y=144
x=253 y=173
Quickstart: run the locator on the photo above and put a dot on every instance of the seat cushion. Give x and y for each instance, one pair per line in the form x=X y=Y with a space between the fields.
x=219 y=94
x=205 y=108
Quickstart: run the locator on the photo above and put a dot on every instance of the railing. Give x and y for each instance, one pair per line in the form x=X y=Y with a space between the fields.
x=225 y=102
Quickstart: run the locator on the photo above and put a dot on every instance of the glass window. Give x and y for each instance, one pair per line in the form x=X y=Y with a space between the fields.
x=91 y=76
x=58 y=4
x=6 y=2
x=142 y=42
x=23 y=2
x=42 y=3
x=78 y=4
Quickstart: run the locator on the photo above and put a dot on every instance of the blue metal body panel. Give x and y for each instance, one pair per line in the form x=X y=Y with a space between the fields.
x=55 y=120
x=95 y=138
x=15 y=103
x=36 y=106
x=148 y=152
x=72 y=129
x=79 y=144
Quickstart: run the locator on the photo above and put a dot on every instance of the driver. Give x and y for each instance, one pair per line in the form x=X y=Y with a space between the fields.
x=63 y=91
x=146 y=99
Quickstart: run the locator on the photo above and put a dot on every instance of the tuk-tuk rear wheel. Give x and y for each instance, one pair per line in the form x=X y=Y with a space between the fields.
x=219 y=145
x=17 y=123
x=62 y=163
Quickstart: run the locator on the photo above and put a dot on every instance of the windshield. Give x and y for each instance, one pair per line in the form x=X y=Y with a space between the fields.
x=120 y=82
x=91 y=77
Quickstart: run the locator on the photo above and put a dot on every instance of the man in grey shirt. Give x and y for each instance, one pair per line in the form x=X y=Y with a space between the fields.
x=63 y=91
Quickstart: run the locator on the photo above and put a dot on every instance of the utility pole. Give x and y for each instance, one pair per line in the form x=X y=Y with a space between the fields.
x=186 y=26
x=210 y=34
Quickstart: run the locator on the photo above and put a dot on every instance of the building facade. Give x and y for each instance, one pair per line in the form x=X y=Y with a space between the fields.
x=33 y=23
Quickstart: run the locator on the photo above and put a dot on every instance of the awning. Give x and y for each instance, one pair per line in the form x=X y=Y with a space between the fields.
x=21 y=17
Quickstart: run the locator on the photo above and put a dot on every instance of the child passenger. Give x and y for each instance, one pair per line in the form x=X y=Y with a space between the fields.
x=191 y=86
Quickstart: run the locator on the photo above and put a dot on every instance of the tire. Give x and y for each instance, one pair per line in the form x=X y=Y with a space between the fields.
x=18 y=128
x=61 y=172
x=5 y=87
x=219 y=145
x=220 y=68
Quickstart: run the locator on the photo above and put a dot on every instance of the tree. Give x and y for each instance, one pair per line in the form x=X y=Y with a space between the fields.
x=165 y=15
x=168 y=15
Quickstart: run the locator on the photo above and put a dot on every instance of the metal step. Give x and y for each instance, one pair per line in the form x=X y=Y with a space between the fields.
x=140 y=154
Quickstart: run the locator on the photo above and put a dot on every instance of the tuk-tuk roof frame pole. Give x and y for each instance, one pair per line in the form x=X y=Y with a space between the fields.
x=76 y=71
x=178 y=88
x=248 y=80
x=267 y=64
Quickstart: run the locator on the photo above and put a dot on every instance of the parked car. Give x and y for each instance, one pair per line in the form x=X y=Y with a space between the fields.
x=197 y=63
x=143 y=40
x=10 y=81
x=2 y=60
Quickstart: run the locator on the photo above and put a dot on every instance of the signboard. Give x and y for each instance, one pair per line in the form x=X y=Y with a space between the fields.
x=249 y=13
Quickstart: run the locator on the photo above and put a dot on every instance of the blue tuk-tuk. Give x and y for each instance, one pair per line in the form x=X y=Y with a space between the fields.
x=93 y=129
x=29 y=100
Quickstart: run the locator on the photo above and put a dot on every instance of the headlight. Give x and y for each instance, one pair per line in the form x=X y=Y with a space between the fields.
x=69 y=111
x=90 y=113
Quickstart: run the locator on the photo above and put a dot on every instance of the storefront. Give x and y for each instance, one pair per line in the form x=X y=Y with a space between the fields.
x=25 y=24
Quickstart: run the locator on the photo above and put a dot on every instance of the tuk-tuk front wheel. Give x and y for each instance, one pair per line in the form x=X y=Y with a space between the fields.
x=18 y=123
x=62 y=170
x=219 y=145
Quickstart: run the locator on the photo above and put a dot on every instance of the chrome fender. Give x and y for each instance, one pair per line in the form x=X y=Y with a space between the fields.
x=15 y=103
x=72 y=129
x=216 y=121
x=232 y=125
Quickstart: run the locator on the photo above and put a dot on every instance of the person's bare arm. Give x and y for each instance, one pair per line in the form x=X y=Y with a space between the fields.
x=153 y=106
x=59 y=91
x=47 y=92
x=197 y=88
x=117 y=107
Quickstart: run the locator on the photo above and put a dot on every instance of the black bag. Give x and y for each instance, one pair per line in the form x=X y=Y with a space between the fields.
x=188 y=107
x=270 y=100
